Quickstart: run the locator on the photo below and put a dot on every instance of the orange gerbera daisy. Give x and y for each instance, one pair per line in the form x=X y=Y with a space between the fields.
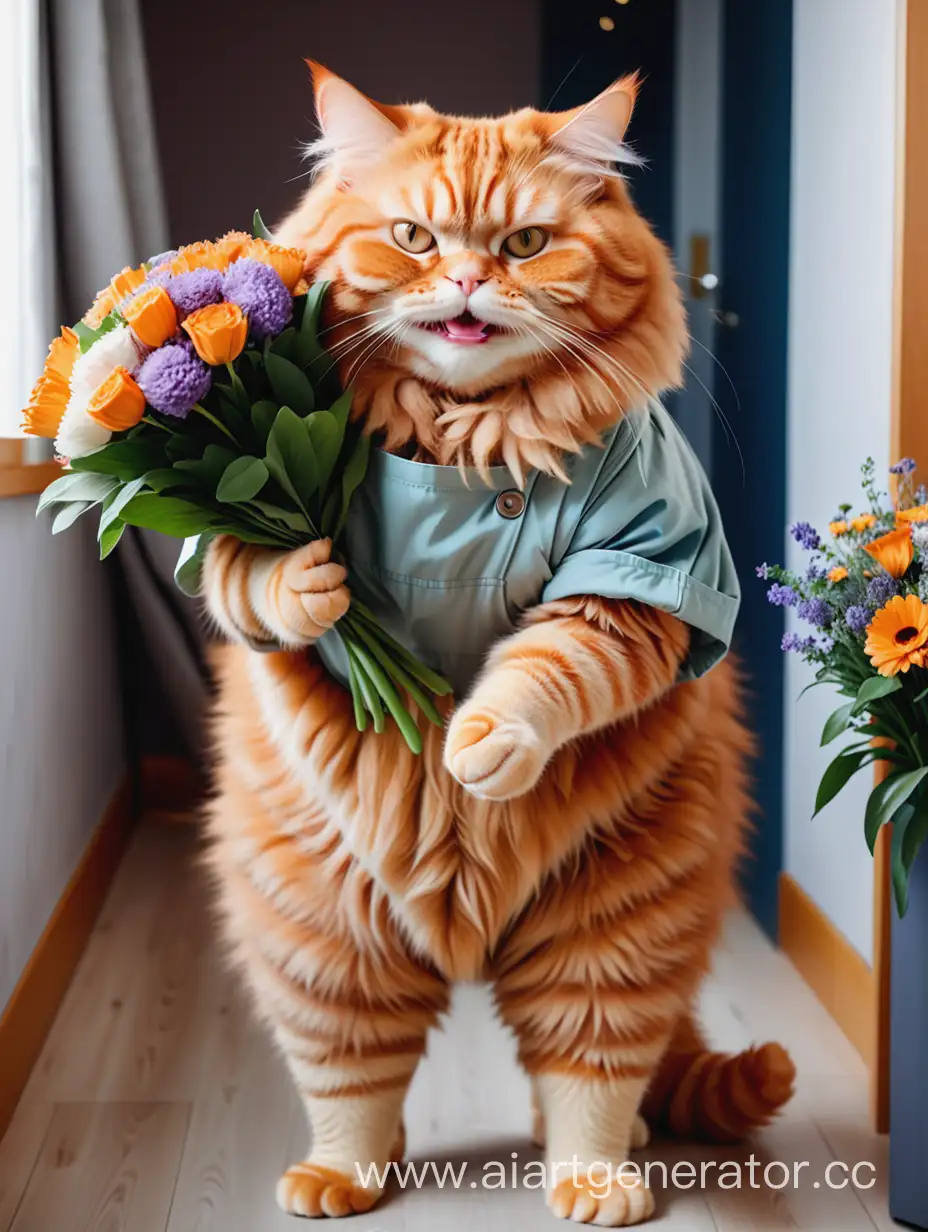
x=893 y=551
x=52 y=390
x=838 y=528
x=112 y=295
x=837 y=574
x=897 y=635
x=905 y=517
x=863 y=522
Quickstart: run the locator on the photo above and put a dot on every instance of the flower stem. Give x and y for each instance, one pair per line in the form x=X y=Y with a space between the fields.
x=201 y=410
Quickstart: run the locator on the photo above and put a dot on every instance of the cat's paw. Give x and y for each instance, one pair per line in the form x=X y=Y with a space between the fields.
x=600 y=1198
x=313 y=1190
x=309 y=591
x=493 y=757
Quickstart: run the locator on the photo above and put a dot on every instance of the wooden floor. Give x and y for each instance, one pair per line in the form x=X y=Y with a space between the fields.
x=157 y=1104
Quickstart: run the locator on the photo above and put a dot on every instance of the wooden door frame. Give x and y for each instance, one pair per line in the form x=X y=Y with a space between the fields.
x=908 y=422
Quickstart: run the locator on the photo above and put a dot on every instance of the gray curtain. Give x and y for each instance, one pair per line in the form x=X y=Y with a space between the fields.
x=109 y=212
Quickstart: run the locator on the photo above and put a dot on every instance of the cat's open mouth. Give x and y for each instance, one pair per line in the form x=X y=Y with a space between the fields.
x=466 y=329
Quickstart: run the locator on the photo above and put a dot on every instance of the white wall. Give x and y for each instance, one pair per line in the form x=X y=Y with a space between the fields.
x=60 y=721
x=841 y=268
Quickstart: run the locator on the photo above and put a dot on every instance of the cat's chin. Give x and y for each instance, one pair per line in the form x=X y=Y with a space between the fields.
x=502 y=357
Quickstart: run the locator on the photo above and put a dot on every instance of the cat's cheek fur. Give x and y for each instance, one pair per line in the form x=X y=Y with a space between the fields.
x=492 y=756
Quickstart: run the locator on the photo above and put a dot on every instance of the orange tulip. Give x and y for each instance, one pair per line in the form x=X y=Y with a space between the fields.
x=837 y=574
x=125 y=282
x=117 y=404
x=49 y=397
x=152 y=316
x=218 y=332
x=893 y=551
x=288 y=262
x=234 y=244
x=864 y=522
x=905 y=517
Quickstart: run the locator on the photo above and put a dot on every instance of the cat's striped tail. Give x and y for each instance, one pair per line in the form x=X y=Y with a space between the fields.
x=717 y=1096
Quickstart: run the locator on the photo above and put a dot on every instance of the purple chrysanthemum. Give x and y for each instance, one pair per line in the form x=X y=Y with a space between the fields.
x=782 y=596
x=173 y=379
x=805 y=535
x=881 y=589
x=762 y=571
x=195 y=289
x=905 y=466
x=858 y=617
x=260 y=293
x=792 y=641
x=817 y=612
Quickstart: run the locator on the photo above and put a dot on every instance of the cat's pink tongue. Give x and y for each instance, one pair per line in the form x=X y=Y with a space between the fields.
x=466 y=329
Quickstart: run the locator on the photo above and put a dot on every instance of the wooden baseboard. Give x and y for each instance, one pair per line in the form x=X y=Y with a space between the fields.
x=829 y=964
x=31 y=1011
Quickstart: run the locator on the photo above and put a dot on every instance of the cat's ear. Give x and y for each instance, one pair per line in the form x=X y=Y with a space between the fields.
x=355 y=129
x=593 y=135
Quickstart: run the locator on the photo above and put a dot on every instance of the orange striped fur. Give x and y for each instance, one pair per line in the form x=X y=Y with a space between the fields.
x=573 y=836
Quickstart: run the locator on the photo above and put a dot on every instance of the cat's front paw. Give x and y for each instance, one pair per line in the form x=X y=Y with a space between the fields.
x=313 y=1190
x=493 y=757
x=309 y=591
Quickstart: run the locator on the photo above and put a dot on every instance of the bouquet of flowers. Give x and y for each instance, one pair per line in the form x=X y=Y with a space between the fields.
x=865 y=592
x=195 y=398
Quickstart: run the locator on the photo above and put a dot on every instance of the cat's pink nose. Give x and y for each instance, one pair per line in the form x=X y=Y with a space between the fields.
x=467 y=282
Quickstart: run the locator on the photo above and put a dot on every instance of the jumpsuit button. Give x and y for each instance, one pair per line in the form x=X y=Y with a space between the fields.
x=510 y=504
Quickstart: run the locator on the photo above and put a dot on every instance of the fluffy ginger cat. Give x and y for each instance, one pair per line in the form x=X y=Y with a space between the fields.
x=534 y=526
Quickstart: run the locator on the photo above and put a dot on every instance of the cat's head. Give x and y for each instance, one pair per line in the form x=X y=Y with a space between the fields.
x=480 y=264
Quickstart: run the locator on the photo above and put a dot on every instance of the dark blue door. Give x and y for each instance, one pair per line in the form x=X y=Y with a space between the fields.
x=751 y=344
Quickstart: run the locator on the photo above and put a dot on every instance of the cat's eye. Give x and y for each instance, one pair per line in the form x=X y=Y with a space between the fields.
x=526 y=242
x=413 y=238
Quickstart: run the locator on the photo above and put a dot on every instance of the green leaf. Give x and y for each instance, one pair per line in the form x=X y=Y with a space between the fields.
x=208 y=470
x=352 y=476
x=291 y=458
x=77 y=486
x=897 y=866
x=918 y=697
x=128 y=459
x=243 y=479
x=258 y=228
x=87 y=336
x=263 y=414
x=916 y=833
x=872 y=689
x=172 y=516
x=68 y=514
x=887 y=797
x=837 y=722
x=341 y=409
x=326 y=436
x=839 y=771
x=308 y=348
x=110 y=537
x=284 y=343
x=181 y=448
x=291 y=388
x=165 y=478
x=291 y=518
x=119 y=501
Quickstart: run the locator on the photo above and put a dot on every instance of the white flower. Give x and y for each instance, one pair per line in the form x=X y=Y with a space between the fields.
x=78 y=434
x=117 y=349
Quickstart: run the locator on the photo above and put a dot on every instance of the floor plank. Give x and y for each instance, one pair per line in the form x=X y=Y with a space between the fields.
x=160 y=1103
x=105 y=1168
x=19 y=1152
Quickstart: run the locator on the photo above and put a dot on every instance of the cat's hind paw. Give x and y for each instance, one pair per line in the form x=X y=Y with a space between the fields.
x=602 y=1200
